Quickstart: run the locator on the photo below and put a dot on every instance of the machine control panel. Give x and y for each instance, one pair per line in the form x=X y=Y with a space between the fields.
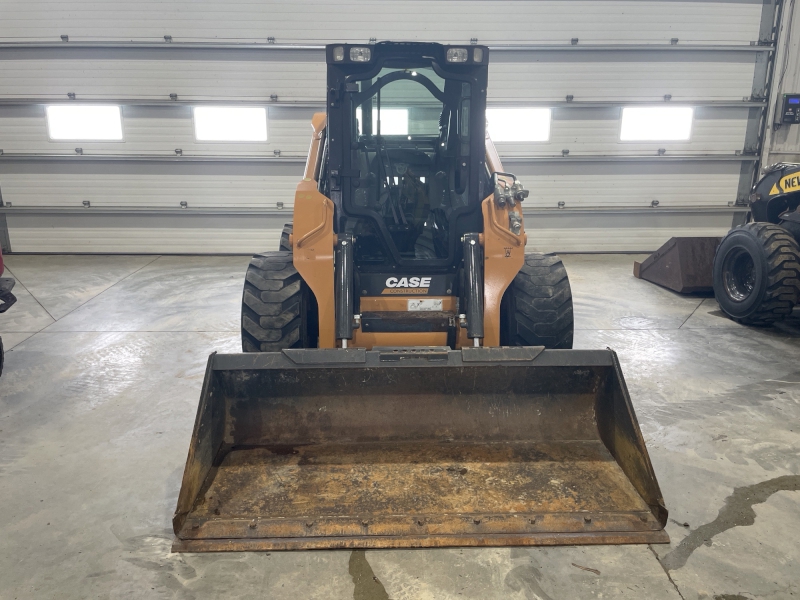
x=791 y=108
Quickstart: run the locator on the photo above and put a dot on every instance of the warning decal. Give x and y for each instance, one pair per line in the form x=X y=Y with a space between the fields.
x=790 y=183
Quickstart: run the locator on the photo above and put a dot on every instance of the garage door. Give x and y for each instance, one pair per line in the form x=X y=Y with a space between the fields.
x=604 y=71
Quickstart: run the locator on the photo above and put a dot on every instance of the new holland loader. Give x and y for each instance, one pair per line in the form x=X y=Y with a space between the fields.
x=407 y=377
x=754 y=271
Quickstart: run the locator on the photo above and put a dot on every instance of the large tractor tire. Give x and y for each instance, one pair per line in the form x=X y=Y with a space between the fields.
x=279 y=310
x=537 y=307
x=286 y=246
x=757 y=274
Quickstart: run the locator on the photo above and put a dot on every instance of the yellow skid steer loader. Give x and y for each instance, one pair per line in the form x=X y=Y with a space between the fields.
x=407 y=377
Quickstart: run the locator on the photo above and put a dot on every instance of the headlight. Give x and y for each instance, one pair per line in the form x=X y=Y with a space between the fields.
x=477 y=54
x=456 y=55
x=338 y=54
x=360 y=54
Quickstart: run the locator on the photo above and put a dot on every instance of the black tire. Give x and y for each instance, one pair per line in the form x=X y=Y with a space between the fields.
x=279 y=311
x=287 y=231
x=536 y=309
x=757 y=274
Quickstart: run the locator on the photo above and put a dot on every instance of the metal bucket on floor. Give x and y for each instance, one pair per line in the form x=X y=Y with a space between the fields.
x=395 y=448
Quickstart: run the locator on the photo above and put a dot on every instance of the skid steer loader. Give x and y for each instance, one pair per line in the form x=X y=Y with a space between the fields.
x=754 y=271
x=756 y=268
x=407 y=377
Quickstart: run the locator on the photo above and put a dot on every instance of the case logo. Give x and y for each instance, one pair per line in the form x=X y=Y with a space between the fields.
x=407 y=285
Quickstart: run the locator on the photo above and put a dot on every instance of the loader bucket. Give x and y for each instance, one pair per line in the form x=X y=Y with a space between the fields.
x=397 y=448
x=683 y=264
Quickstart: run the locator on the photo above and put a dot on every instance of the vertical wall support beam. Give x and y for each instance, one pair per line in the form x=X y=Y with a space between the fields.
x=5 y=241
x=757 y=117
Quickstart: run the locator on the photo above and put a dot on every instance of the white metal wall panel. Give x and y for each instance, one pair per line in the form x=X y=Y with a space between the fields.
x=147 y=190
x=143 y=240
x=309 y=21
x=548 y=77
x=627 y=75
x=597 y=131
x=293 y=76
x=785 y=145
x=784 y=141
x=156 y=131
x=156 y=234
x=605 y=202
x=587 y=185
x=250 y=234
x=160 y=130
x=631 y=184
x=620 y=232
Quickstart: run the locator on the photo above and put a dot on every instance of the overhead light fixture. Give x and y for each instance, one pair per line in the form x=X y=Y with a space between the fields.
x=87 y=122
x=230 y=124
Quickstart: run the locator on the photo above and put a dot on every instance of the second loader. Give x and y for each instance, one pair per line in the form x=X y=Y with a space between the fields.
x=754 y=271
x=407 y=377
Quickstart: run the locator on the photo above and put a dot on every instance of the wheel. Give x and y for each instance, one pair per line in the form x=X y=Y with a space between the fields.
x=757 y=274
x=536 y=309
x=286 y=246
x=278 y=309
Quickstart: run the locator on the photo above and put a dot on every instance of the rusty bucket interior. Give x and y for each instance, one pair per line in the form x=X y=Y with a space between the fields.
x=398 y=448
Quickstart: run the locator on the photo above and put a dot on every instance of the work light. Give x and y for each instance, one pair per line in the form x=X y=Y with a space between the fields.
x=457 y=55
x=360 y=54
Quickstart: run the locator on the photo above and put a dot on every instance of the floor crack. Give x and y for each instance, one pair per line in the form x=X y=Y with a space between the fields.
x=666 y=571
x=35 y=299
x=692 y=314
x=131 y=274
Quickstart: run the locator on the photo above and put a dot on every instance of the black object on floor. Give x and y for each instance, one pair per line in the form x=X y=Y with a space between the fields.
x=684 y=265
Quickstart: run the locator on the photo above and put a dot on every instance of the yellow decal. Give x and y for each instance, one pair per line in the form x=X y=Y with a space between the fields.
x=790 y=183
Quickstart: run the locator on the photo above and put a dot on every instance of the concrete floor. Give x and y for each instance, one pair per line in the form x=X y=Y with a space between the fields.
x=101 y=387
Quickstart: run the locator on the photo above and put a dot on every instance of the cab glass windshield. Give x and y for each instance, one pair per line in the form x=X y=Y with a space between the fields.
x=411 y=134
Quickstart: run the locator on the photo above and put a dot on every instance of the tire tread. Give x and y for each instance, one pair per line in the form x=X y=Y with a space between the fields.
x=783 y=273
x=285 y=246
x=272 y=304
x=540 y=304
